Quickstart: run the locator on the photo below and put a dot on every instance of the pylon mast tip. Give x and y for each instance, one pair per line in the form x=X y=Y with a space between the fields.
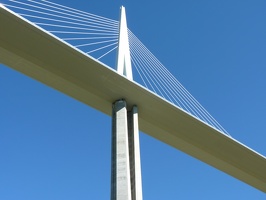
x=123 y=52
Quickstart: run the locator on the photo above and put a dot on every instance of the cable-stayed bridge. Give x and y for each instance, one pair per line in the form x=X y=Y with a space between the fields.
x=98 y=37
x=152 y=74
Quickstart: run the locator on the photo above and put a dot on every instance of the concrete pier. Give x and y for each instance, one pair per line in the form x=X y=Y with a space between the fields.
x=126 y=169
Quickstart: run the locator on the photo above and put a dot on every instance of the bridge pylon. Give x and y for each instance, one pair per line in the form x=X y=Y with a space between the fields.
x=126 y=167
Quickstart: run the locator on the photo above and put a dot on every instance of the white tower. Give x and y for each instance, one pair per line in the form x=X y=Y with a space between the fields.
x=126 y=168
x=123 y=53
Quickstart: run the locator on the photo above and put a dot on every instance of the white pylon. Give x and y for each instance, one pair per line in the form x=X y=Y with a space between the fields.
x=123 y=54
x=126 y=167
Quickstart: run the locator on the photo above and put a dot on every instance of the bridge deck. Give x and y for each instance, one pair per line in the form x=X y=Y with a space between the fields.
x=37 y=54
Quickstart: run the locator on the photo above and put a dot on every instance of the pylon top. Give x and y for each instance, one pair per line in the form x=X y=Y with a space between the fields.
x=123 y=53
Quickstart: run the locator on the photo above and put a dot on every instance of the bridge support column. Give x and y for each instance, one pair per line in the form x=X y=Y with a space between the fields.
x=126 y=171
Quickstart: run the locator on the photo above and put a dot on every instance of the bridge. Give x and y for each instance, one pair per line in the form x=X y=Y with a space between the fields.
x=92 y=86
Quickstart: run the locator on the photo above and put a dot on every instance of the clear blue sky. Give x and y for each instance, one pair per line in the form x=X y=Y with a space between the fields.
x=54 y=147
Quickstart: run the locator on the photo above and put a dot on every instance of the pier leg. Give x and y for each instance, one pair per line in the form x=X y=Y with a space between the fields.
x=126 y=171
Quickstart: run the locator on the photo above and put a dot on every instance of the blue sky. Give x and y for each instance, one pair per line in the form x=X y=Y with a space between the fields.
x=54 y=147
